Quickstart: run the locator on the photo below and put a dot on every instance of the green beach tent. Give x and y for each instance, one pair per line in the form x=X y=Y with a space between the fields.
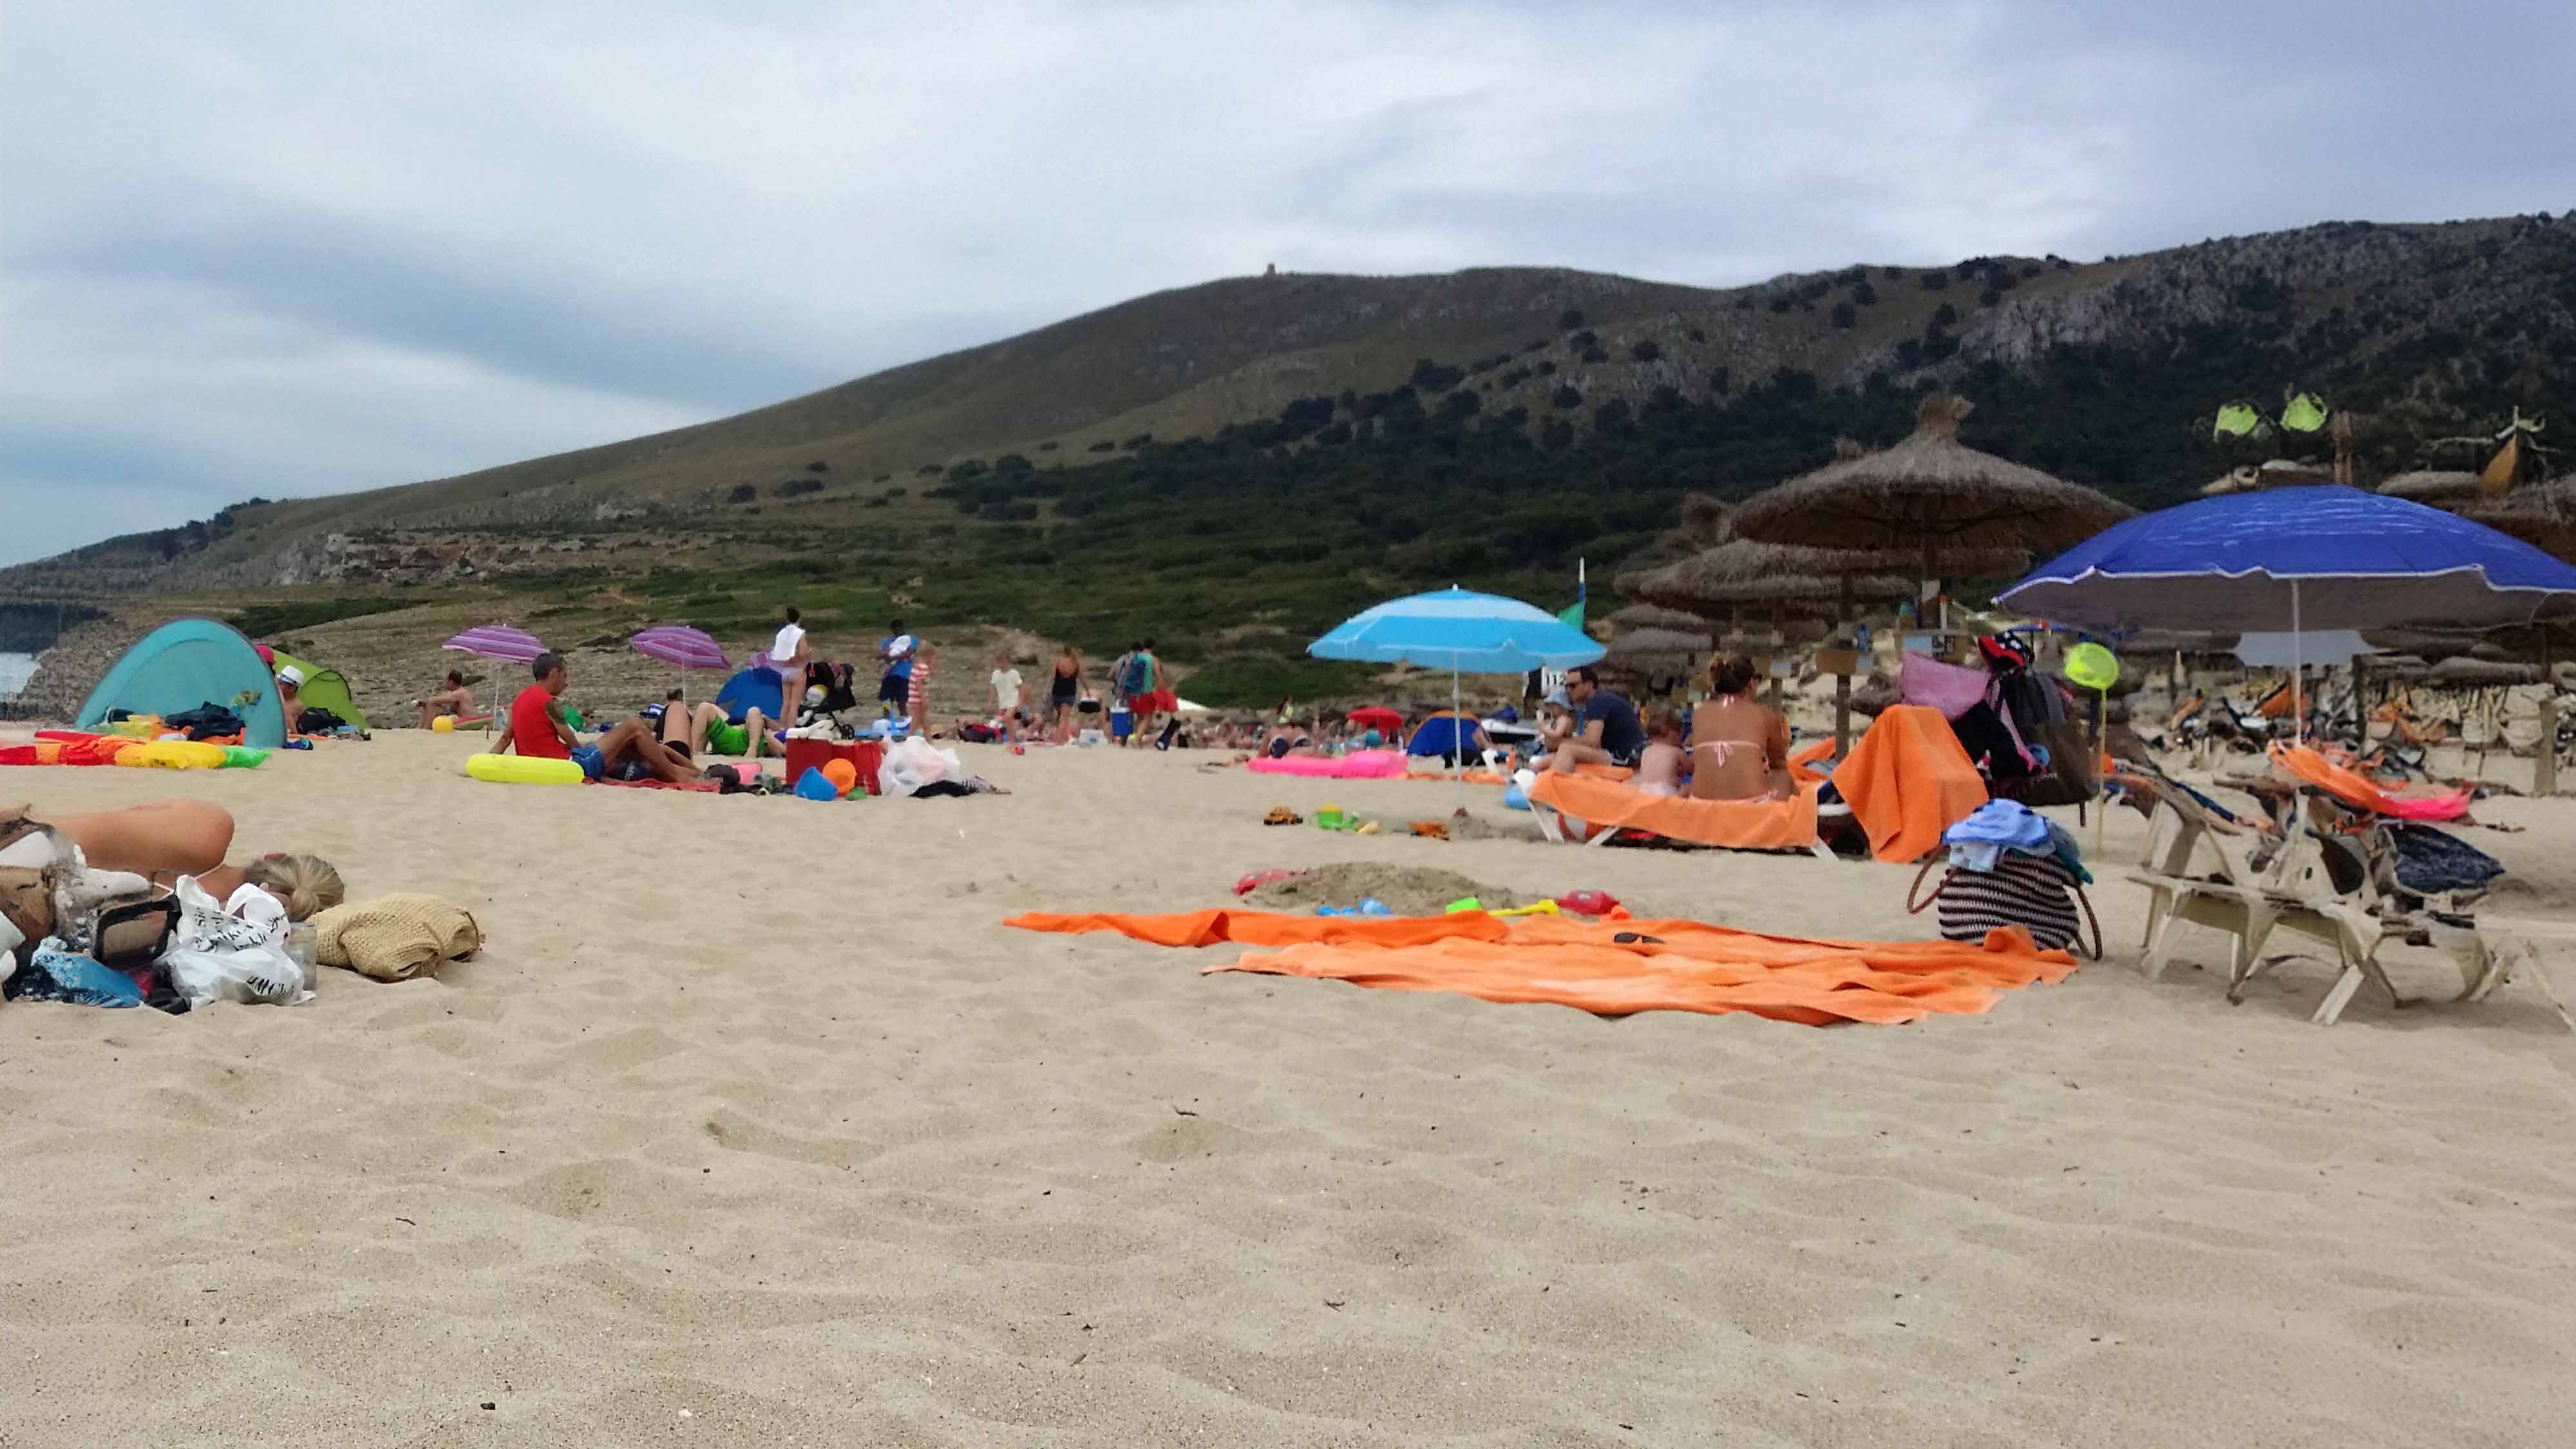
x=182 y=665
x=2303 y=413
x=324 y=689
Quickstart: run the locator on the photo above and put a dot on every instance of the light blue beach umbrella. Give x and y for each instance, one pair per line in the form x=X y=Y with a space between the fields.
x=1463 y=632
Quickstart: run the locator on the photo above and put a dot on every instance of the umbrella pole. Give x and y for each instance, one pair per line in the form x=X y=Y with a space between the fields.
x=1457 y=737
x=2298 y=708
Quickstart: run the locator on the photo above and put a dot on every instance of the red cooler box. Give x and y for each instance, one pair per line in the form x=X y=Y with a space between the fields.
x=864 y=756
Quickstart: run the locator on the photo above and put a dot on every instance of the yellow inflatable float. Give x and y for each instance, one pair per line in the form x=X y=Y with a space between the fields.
x=523 y=770
x=174 y=755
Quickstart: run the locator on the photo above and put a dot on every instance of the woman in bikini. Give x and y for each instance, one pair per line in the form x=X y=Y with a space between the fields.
x=1739 y=746
x=1064 y=687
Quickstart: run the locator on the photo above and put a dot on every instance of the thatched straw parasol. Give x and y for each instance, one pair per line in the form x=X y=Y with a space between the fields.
x=2540 y=514
x=1658 y=651
x=1928 y=495
x=1655 y=616
x=2435 y=489
x=1742 y=572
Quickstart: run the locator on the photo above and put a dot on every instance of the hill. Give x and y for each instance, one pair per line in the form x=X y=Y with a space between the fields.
x=1233 y=464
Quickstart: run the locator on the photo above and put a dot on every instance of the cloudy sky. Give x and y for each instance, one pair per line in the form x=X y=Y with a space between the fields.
x=285 y=249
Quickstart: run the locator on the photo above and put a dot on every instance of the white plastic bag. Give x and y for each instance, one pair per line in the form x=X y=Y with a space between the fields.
x=913 y=762
x=262 y=975
x=217 y=956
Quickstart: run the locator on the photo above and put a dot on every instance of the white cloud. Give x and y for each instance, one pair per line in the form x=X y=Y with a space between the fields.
x=299 y=248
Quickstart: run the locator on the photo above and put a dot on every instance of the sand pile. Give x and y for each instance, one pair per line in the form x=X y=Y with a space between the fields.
x=1408 y=890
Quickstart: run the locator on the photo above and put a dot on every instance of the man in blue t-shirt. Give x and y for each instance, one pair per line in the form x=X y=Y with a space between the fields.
x=1606 y=729
x=894 y=690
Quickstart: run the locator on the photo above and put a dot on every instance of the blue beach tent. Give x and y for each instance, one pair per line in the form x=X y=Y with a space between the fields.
x=749 y=688
x=189 y=663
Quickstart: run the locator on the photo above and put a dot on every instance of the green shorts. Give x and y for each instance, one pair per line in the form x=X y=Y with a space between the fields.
x=727 y=739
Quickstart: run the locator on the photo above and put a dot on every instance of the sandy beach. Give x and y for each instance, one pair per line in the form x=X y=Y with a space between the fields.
x=724 y=1143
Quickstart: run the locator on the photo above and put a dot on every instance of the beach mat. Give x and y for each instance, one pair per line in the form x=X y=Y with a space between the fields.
x=1907 y=780
x=1612 y=968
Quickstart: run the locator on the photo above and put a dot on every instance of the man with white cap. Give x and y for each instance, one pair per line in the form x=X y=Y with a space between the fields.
x=290 y=693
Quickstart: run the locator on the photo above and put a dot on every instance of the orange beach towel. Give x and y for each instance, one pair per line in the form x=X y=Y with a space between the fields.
x=1737 y=824
x=1612 y=968
x=2354 y=788
x=1907 y=780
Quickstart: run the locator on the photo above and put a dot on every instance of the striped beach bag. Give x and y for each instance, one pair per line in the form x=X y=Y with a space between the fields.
x=2035 y=892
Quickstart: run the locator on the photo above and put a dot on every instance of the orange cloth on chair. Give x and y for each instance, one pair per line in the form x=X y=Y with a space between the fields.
x=2354 y=788
x=1907 y=780
x=1663 y=966
x=1739 y=824
x=1803 y=762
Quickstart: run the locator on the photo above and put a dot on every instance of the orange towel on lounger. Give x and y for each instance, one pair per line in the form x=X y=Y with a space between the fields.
x=1659 y=966
x=1738 y=824
x=2354 y=788
x=1803 y=763
x=1907 y=780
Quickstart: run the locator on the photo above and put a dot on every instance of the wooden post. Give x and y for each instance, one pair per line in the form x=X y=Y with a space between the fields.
x=2544 y=766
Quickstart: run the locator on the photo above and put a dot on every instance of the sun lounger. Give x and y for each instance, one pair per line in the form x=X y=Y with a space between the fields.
x=1606 y=807
x=2252 y=881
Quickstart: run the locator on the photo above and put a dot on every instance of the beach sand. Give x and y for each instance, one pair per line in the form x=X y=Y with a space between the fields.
x=755 y=1126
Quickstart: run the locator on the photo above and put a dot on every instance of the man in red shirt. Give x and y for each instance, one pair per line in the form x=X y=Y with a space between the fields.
x=537 y=728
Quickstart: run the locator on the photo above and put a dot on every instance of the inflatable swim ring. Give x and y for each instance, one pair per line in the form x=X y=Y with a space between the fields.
x=522 y=770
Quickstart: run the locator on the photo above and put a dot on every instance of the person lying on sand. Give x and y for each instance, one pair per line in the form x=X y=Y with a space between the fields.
x=685 y=727
x=455 y=699
x=162 y=840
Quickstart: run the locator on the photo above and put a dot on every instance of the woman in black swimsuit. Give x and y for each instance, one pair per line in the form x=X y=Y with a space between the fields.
x=1063 y=688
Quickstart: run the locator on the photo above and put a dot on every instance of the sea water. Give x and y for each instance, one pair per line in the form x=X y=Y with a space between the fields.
x=15 y=670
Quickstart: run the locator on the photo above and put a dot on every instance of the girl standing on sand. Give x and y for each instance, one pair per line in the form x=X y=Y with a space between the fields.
x=1064 y=687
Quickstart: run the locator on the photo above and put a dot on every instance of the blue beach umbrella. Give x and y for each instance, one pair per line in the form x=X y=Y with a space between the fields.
x=2295 y=559
x=1463 y=632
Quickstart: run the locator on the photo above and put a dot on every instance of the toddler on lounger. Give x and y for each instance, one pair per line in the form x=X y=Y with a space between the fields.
x=1659 y=765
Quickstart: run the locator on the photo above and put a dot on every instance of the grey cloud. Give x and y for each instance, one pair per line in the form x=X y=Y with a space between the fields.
x=296 y=249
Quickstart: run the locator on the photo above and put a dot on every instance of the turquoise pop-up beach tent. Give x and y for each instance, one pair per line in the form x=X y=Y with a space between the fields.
x=189 y=663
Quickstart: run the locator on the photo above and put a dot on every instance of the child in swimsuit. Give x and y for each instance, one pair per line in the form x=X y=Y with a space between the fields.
x=1659 y=765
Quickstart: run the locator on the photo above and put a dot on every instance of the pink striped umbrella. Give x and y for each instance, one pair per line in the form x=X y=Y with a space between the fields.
x=498 y=641
x=681 y=645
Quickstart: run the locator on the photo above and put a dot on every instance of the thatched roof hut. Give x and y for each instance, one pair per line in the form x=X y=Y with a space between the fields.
x=2433 y=488
x=2482 y=672
x=1657 y=651
x=1655 y=616
x=1742 y=572
x=2540 y=514
x=1928 y=495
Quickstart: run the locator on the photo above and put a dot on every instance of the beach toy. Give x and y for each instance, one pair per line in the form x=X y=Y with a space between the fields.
x=1329 y=818
x=1462 y=906
x=1254 y=880
x=843 y=775
x=523 y=770
x=1588 y=902
x=2090 y=666
x=1367 y=827
x=243 y=757
x=1513 y=799
x=1372 y=906
x=443 y=725
x=815 y=785
x=1535 y=908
